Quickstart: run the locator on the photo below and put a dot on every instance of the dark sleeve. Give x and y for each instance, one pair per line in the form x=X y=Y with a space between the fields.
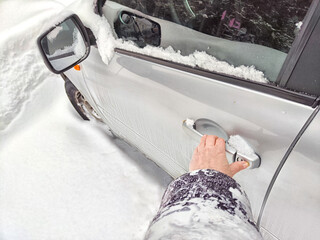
x=203 y=204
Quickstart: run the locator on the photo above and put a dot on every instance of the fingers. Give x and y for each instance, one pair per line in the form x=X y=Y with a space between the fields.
x=202 y=142
x=237 y=167
x=221 y=144
x=211 y=140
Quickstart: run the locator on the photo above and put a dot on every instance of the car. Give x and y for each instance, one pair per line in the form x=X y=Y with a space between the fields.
x=175 y=70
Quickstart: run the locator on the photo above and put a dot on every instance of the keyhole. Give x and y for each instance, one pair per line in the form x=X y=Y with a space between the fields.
x=239 y=159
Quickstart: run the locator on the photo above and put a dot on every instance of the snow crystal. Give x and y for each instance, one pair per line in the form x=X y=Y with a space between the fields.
x=98 y=25
x=54 y=33
x=79 y=48
x=240 y=145
x=189 y=122
x=197 y=59
x=299 y=25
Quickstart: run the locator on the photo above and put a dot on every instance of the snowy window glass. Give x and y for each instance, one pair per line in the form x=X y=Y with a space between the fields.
x=255 y=33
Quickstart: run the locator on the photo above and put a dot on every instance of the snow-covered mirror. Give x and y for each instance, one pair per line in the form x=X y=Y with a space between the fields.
x=65 y=45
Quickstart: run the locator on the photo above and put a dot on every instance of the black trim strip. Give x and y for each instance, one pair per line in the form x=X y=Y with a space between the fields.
x=316 y=102
x=283 y=161
x=299 y=44
x=64 y=77
x=261 y=87
x=98 y=5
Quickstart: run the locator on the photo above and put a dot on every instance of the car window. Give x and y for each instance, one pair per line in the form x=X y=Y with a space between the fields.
x=242 y=33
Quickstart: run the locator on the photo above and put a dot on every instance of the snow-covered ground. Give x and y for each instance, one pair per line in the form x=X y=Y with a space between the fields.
x=61 y=177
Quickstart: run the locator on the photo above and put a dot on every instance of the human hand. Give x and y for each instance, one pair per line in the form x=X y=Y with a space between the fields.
x=211 y=154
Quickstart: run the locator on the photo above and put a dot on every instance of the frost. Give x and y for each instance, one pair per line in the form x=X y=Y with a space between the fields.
x=65 y=56
x=54 y=33
x=299 y=25
x=79 y=48
x=240 y=145
x=197 y=59
x=189 y=122
x=98 y=25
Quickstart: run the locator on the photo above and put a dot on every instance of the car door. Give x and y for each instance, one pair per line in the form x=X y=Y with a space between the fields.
x=291 y=208
x=144 y=94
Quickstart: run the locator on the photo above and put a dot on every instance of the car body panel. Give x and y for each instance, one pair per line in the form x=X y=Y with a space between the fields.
x=146 y=103
x=267 y=235
x=294 y=199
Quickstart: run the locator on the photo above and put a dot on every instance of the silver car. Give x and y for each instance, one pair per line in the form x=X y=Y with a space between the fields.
x=179 y=69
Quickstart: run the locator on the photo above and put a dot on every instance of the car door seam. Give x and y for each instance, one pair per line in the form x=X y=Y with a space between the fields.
x=264 y=229
x=283 y=161
x=283 y=93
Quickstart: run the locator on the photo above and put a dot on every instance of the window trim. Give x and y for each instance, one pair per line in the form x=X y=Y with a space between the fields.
x=299 y=44
x=279 y=88
x=98 y=5
x=256 y=86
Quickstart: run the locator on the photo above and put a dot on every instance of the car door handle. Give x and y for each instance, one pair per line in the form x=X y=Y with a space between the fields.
x=193 y=128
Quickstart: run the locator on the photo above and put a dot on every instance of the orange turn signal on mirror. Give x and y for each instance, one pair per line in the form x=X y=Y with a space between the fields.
x=77 y=67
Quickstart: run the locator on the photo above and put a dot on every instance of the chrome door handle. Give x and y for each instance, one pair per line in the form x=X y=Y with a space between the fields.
x=213 y=128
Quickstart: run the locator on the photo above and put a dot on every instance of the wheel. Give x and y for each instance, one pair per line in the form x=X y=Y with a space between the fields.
x=79 y=103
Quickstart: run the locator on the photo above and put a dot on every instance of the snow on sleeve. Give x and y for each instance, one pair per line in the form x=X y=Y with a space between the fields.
x=203 y=204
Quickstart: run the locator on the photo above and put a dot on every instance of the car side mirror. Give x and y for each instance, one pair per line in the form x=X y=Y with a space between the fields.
x=64 y=45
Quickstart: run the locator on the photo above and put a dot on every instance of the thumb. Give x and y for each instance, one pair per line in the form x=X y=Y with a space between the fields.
x=238 y=166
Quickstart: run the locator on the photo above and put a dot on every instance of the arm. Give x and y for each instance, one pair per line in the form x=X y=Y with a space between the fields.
x=205 y=203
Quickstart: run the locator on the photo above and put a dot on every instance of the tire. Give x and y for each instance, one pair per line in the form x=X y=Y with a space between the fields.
x=79 y=103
